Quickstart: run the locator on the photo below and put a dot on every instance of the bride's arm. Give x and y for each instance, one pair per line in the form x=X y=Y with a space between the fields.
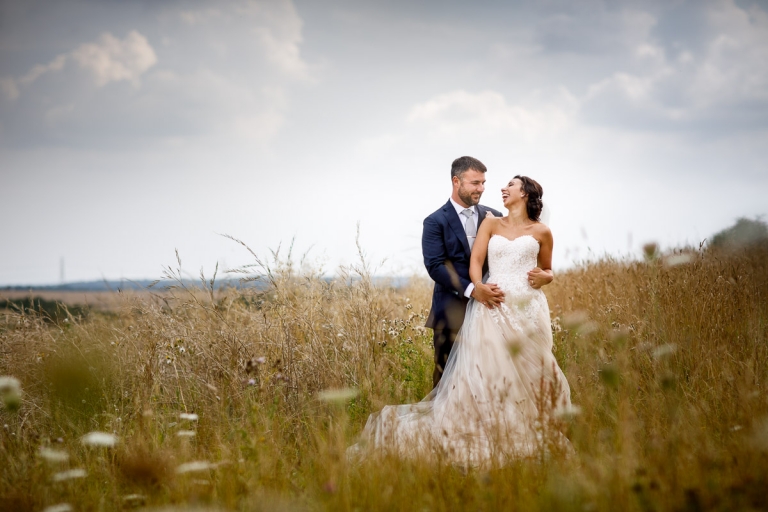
x=488 y=294
x=543 y=275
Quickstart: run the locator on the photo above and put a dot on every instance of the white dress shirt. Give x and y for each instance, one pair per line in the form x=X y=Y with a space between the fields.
x=463 y=218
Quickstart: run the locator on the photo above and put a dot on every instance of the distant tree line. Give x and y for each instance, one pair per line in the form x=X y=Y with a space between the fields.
x=742 y=235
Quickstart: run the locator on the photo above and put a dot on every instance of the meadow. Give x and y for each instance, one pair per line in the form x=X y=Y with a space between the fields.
x=227 y=399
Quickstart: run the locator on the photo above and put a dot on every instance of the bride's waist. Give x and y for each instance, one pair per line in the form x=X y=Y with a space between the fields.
x=512 y=284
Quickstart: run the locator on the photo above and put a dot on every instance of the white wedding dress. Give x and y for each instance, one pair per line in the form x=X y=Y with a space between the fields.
x=501 y=383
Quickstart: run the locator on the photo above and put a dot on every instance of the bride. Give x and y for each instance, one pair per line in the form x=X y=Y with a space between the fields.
x=501 y=384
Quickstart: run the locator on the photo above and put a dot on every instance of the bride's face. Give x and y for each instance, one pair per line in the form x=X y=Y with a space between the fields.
x=512 y=193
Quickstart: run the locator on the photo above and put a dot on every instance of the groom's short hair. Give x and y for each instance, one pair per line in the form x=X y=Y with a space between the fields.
x=465 y=163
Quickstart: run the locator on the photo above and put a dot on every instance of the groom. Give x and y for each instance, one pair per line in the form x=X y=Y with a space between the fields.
x=446 y=244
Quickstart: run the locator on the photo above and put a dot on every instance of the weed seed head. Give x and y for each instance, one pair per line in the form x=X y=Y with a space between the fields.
x=99 y=439
x=651 y=251
x=337 y=396
x=69 y=474
x=567 y=412
x=53 y=455
x=9 y=384
x=10 y=392
x=61 y=507
x=194 y=466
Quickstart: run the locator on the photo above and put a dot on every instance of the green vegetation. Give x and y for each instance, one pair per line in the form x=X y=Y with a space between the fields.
x=48 y=310
x=743 y=234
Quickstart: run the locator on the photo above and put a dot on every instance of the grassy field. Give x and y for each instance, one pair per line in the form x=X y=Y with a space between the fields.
x=216 y=399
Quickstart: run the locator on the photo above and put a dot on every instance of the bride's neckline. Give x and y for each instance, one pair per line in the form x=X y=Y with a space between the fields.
x=513 y=239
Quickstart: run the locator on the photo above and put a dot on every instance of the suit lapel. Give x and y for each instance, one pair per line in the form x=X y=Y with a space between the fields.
x=453 y=220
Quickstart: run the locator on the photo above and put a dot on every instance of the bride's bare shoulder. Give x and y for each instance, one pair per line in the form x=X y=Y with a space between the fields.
x=490 y=224
x=542 y=231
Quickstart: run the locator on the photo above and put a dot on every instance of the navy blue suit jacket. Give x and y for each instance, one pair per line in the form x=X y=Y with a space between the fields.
x=446 y=254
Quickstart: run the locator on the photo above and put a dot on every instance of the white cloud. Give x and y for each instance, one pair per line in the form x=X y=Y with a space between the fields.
x=281 y=37
x=723 y=78
x=487 y=113
x=112 y=60
x=108 y=60
x=275 y=25
x=223 y=74
x=733 y=67
x=36 y=72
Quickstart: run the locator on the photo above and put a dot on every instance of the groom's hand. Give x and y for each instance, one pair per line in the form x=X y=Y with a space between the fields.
x=488 y=295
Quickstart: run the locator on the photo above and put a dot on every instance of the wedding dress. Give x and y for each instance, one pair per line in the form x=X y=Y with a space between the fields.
x=501 y=383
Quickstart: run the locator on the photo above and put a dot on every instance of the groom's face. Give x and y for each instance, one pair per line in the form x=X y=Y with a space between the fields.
x=470 y=185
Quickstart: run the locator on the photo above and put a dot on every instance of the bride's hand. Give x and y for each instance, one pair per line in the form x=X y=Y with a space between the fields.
x=538 y=278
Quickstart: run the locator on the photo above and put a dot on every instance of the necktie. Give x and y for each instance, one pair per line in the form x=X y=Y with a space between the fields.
x=469 y=227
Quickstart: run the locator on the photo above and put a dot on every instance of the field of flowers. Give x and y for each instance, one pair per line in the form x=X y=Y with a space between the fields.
x=232 y=399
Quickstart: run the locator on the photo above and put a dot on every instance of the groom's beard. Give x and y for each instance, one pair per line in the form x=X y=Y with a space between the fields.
x=468 y=198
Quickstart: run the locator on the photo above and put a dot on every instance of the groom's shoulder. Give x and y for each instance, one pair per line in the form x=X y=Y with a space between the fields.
x=438 y=214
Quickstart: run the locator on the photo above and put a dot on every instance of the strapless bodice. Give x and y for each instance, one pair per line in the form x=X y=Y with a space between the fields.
x=509 y=262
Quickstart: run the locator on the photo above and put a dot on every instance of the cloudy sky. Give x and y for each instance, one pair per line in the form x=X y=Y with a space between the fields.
x=129 y=129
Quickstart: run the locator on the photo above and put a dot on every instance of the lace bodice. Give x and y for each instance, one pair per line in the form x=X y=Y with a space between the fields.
x=509 y=262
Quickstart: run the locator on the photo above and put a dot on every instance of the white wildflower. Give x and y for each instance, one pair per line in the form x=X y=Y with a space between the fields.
x=9 y=384
x=186 y=433
x=135 y=499
x=188 y=416
x=53 y=455
x=99 y=439
x=69 y=475
x=198 y=465
x=61 y=507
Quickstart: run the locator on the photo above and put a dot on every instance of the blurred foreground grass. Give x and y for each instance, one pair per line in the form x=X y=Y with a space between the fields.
x=215 y=396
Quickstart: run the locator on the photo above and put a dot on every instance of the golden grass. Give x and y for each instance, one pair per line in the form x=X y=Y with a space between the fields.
x=666 y=358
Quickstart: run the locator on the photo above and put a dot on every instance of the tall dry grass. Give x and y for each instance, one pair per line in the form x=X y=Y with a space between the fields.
x=215 y=395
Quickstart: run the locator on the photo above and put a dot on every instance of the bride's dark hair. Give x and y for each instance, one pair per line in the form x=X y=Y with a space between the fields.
x=533 y=193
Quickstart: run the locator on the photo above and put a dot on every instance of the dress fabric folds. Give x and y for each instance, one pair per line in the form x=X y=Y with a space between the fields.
x=500 y=384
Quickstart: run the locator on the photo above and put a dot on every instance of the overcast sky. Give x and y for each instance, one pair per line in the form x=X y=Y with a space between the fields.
x=129 y=129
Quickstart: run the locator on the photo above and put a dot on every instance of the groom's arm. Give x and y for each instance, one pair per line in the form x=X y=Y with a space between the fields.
x=436 y=259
